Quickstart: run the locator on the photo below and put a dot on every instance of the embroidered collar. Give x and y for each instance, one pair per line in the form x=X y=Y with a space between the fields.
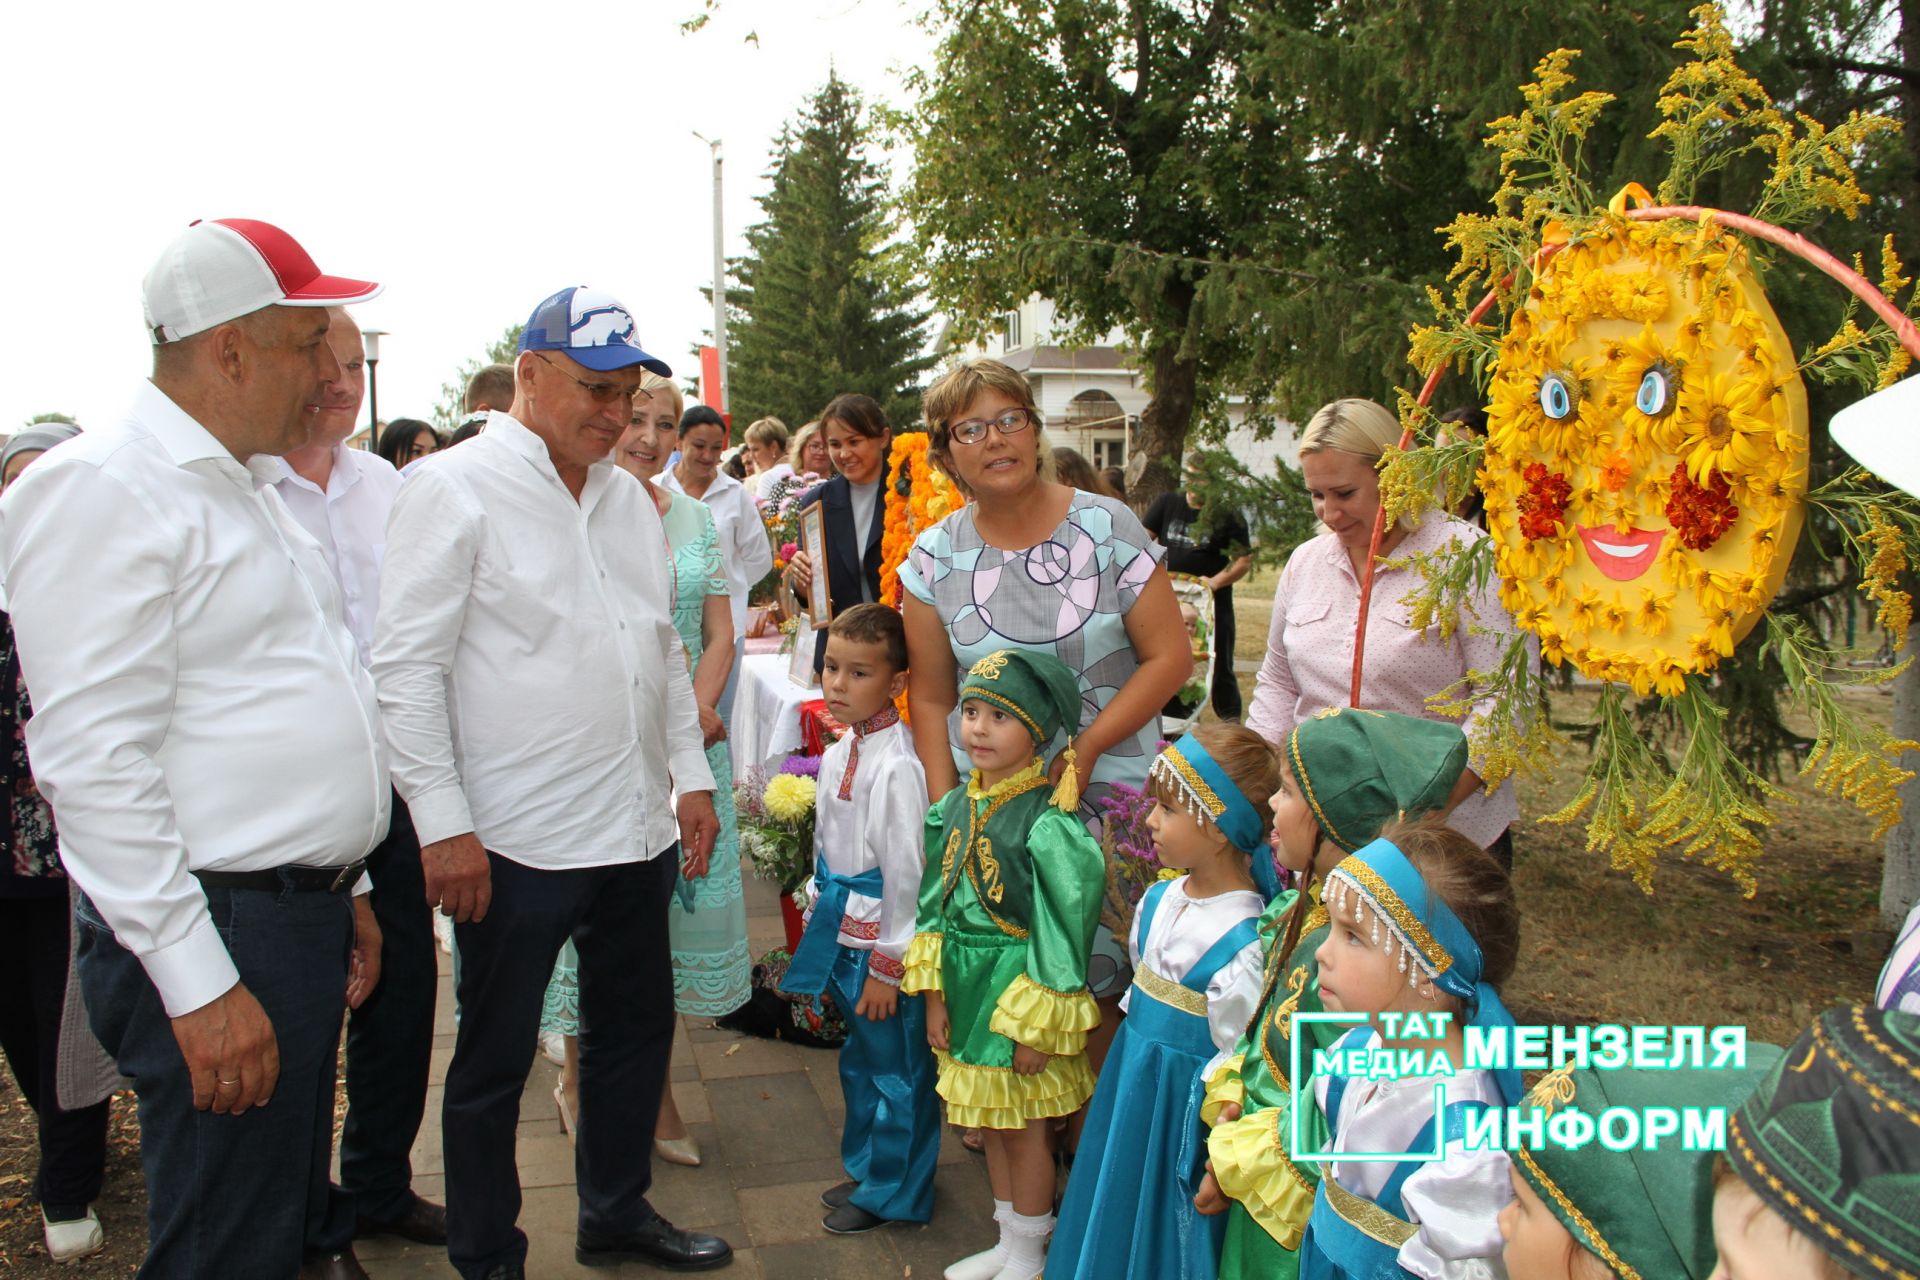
x=885 y=718
x=977 y=792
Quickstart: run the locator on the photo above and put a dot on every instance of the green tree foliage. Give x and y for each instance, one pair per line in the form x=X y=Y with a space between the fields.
x=823 y=302
x=449 y=408
x=1249 y=188
x=39 y=418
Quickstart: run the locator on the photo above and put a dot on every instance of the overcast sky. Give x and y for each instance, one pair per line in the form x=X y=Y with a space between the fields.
x=473 y=158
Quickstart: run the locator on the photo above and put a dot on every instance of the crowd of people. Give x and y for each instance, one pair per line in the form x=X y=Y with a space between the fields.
x=261 y=755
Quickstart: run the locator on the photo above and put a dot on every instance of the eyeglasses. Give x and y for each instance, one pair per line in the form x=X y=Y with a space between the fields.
x=974 y=430
x=601 y=392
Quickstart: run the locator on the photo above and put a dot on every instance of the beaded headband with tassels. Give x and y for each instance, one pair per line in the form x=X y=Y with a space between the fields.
x=1209 y=794
x=1430 y=940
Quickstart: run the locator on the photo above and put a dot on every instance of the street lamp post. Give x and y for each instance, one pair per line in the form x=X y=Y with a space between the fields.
x=371 y=337
x=719 y=276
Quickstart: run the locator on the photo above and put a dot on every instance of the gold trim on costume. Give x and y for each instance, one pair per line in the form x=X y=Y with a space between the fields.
x=1821 y=1229
x=1306 y=789
x=1595 y=1240
x=1296 y=987
x=1197 y=785
x=1167 y=992
x=1859 y=1078
x=1011 y=707
x=990 y=667
x=1366 y=1216
x=1438 y=958
x=981 y=868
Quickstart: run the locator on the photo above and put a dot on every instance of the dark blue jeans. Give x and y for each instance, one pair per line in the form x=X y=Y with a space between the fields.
x=617 y=918
x=232 y=1195
x=390 y=1036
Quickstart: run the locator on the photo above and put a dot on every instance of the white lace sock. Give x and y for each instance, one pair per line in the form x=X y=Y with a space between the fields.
x=987 y=1264
x=1026 y=1239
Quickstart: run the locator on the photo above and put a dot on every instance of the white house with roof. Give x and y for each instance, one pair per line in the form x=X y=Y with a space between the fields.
x=1092 y=397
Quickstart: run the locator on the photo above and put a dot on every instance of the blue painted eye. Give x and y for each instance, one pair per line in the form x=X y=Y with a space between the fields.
x=1556 y=397
x=1655 y=396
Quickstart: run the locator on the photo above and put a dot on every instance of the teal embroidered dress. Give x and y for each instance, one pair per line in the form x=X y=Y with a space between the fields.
x=708 y=916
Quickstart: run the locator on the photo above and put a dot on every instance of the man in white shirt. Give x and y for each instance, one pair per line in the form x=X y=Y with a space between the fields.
x=538 y=708
x=211 y=747
x=342 y=497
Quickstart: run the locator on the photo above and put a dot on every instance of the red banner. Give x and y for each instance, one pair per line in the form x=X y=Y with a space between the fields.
x=710 y=393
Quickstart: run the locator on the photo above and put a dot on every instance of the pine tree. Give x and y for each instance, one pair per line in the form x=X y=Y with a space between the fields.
x=822 y=303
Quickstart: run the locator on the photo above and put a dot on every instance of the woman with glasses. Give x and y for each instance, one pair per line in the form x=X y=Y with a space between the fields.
x=1030 y=563
x=854 y=505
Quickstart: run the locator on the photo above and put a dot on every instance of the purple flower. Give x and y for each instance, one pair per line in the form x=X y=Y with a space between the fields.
x=801 y=766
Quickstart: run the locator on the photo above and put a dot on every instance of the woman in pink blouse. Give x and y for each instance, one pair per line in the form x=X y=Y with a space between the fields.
x=1309 y=663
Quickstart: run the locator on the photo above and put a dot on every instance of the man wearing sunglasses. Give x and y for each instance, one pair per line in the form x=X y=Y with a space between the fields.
x=536 y=699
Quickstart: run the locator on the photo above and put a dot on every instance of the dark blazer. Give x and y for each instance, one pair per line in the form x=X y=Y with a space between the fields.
x=849 y=560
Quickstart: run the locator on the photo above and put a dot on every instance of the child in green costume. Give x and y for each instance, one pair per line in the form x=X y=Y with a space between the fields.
x=1344 y=775
x=1007 y=912
x=1594 y=1213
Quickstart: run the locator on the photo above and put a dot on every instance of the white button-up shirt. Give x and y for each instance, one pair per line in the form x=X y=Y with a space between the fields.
x=349 y=520
x=198 y=701
x=743 y=538
x=534 y=690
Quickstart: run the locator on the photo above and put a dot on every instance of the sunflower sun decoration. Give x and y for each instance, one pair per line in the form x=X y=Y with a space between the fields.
x=1645 y=469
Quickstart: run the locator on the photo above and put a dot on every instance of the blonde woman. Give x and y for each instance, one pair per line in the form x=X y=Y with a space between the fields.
x=808 y=455
x=1309 y=662
x=766 y=451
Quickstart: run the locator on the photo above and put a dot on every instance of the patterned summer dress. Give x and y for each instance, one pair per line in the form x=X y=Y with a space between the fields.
x=1068 y=596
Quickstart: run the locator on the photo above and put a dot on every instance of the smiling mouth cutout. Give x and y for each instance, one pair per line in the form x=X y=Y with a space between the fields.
x=1621 y=556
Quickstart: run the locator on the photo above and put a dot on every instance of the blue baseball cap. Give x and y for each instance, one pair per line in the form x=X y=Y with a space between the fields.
x=591 y=328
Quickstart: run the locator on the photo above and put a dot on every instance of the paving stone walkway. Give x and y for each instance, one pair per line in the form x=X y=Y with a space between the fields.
x=767 y=1118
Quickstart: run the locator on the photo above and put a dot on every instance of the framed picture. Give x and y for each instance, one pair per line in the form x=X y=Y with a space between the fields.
x=813 y=541
x=800 y=661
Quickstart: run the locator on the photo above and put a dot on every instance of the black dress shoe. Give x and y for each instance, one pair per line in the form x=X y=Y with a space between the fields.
x=424 y=1222
x=507 y=1271
x=850 y=1220
x=333 y=1266
x=658 y=1242
x=834 y=1197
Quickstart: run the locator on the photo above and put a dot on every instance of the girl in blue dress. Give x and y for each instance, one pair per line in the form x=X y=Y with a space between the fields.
x=1196 y=955
x=1422 y=921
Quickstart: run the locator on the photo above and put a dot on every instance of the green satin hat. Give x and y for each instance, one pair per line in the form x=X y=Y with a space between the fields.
x=1036 y=689
x=1039 y=691
x=1360 y=770
x=1647 y=1214
x=1830 y=1141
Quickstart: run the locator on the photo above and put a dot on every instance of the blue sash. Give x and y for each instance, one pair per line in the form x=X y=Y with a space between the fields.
x=813 y=958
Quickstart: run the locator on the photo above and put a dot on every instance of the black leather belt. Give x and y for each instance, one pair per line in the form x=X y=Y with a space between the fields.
x=298 y=879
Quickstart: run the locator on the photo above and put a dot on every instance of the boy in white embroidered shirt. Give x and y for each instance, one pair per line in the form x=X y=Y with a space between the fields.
x=868 y=859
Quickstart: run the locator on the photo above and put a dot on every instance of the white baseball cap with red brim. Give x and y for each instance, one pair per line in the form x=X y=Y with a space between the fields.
x=220 y=270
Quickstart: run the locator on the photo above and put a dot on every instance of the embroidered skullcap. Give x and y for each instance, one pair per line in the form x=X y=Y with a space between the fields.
x=1830 y=1141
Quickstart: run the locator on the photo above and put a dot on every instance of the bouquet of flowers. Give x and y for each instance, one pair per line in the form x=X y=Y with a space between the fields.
x=776 y=821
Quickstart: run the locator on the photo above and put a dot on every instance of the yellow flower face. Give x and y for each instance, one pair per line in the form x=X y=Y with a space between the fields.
x=1646 y=455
